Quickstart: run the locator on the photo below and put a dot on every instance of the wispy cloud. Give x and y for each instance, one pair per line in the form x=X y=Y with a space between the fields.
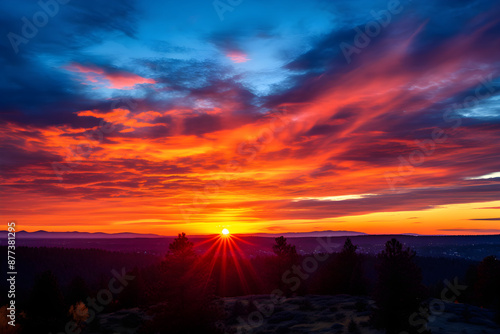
x=472 y=230
x=205 y=92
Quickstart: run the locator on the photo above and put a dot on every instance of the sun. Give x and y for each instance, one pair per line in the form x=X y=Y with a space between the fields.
x=225 y=231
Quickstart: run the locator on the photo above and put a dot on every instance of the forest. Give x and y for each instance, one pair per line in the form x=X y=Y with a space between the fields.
x=61 y=290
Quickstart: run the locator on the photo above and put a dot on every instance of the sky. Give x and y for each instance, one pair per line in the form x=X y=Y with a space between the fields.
x=256 y=116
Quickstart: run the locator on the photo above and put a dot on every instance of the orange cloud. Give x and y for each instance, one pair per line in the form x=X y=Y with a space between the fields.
x=341 y=133
x=113 y=80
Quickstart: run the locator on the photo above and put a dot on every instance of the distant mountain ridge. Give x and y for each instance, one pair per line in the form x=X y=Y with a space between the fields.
x=129 y=235
x=327 y=233
x=79 y=235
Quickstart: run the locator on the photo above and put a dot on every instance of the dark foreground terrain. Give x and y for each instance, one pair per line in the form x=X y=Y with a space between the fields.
x=224 y=290
x=311 y=314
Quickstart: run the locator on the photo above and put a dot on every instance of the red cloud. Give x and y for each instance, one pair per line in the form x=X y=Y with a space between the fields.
x=114 y=80
x=340 y=134
x=238 y=57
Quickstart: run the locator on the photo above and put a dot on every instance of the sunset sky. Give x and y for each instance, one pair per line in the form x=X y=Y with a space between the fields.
x=255 y=116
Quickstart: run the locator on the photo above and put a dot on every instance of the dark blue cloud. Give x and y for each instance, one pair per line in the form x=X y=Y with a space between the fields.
x=35 y=88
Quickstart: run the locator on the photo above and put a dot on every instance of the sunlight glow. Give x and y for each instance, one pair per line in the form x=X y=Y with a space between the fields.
x=225 y=231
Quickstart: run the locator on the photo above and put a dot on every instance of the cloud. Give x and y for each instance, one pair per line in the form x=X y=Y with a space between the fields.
x=471 y=230
x=182 y=112
x=237 y=57
x=114 y=80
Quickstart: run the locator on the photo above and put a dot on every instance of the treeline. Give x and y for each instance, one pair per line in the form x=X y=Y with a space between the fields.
x=92 y=265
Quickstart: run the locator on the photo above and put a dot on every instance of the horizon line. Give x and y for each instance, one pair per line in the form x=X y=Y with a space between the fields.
x=262 y=234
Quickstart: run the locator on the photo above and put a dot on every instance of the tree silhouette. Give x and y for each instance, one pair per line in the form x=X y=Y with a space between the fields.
x=181 y=247
x=346 y=273
x=487 y=288
x=349 y=250
x=286 y=253
x=187 y=304
x=283 y=249
x=399 y=290
x=286 y=257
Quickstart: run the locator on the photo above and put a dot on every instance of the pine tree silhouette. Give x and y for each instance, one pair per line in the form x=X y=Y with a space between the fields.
x=349 y=269
x=399 y=292
x=188 y=301
x=487 y=287
x=286 y=257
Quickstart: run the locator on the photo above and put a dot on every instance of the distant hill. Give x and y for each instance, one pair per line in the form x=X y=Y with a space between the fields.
x=127 y=235
x=78 y=235
x=327 y=233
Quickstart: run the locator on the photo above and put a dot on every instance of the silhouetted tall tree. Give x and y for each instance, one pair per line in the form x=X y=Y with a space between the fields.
x=283 y=249
x=286 y=253
x=188 y=300
x=286 y=257
x=346 y=272
x=399 y=291
x=181 y=247
x=487 y=287
x=181 y=256
x=349 y=250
